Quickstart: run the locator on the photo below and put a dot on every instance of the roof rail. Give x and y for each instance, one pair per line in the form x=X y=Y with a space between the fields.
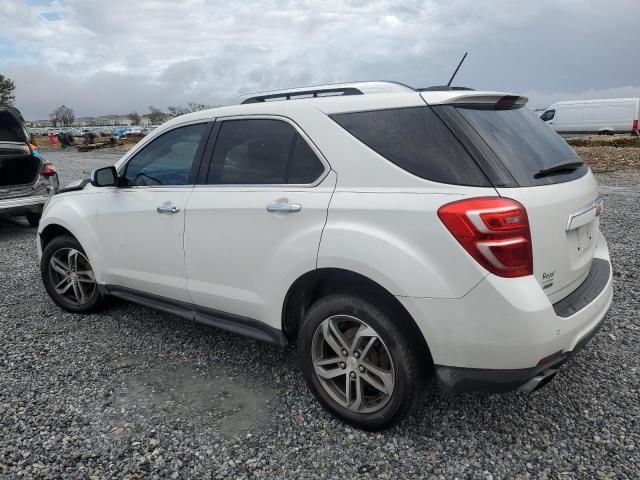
x=303 y=93
x=334 y=89
x=442 y=88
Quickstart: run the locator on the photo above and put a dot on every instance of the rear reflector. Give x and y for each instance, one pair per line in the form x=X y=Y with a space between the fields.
x=494 y=231
x=48 y=169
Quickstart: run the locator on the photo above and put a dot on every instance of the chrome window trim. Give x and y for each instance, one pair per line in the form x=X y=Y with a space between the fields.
x=299 y=130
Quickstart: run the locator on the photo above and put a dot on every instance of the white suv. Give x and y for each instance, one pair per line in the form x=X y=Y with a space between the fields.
x=391 y=233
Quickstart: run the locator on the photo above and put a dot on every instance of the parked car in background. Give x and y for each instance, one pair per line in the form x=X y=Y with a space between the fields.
x=392 y=233
x=134 y=131
x=120 y=132
x=607 y=116
x=27 y=180
x=72 y=131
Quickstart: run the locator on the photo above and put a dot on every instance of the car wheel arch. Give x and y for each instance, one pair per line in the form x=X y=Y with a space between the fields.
x=52 y=231
x=318 y=283
x=54 y=227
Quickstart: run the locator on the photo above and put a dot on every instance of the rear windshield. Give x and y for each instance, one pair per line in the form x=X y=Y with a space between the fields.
x=416 y=140
x=528 y=148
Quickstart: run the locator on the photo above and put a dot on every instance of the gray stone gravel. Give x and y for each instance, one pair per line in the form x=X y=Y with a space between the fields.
x=133 y=393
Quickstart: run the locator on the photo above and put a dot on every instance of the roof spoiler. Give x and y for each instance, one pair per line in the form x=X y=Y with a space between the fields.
x=486 y=100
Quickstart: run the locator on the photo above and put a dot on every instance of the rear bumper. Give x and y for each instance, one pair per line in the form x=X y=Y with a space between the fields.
x=31 y=198
x=30 y=203
x=505 y=334
x=461 y=380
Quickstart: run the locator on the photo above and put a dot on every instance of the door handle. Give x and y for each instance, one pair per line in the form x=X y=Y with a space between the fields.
x=283 y=206
x=170 y=209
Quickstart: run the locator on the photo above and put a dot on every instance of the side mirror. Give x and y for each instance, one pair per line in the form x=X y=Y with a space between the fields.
x=104 y=177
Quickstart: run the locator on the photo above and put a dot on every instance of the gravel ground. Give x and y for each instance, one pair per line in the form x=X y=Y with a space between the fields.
x=133 y=393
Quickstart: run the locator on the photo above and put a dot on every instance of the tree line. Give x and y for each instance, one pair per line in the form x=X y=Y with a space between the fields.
x=156 y=116
x=64 y=116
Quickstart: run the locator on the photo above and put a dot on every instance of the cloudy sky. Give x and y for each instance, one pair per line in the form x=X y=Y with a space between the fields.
x=109 y=57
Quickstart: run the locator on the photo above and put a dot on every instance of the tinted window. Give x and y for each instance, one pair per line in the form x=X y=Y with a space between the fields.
x=524 y=144
x=251 y=152
x=167 y=160
x=416 y=140
x=264 y=152
x=305 y=166
x=548 y=115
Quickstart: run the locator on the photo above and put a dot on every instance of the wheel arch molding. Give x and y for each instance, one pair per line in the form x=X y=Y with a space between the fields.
x=73 y=224
x=318 y=283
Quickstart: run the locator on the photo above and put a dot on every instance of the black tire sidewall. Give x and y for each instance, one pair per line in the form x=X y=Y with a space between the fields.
x=408 y=379
x=53 y=246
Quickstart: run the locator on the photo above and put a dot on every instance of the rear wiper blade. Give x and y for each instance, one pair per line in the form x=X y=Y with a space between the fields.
x=560 y=167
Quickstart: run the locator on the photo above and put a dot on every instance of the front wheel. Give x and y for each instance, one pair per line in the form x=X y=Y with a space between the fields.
x=68 y=277
x=358 y=362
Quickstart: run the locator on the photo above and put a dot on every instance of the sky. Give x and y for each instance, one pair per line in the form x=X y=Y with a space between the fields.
x=114 y=57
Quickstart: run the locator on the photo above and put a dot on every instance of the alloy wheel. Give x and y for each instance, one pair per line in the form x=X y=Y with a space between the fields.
x=353 y=364
x=71 y=276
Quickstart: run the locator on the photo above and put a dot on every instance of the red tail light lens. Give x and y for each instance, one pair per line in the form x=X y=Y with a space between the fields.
x=494 y=231
x=634 y=128
x=48 y=169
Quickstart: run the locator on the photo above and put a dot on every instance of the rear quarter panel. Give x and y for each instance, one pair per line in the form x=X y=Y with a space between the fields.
x=396 y=239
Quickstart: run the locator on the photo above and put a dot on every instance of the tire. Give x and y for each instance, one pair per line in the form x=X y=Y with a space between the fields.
x=53 y=276
x=376 y=409
x=33 y=218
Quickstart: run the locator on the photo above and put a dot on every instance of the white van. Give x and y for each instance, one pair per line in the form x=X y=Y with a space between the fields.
x=607 y=116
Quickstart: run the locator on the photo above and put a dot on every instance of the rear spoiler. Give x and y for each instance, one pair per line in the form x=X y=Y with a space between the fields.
x=492 y=100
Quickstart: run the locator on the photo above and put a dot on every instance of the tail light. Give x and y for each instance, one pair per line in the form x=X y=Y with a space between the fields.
x=48 y=169
x=494 y=231
x=634 y=128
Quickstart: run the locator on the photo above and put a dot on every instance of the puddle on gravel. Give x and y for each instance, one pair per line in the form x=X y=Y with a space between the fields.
x=218 y=401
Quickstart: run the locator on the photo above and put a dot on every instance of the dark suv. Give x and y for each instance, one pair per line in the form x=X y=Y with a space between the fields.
x=26 y=179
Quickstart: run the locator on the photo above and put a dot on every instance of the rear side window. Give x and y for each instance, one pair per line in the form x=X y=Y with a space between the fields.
x=416 y=140
x=305 y=165
x=262 y=151
x=532 y=152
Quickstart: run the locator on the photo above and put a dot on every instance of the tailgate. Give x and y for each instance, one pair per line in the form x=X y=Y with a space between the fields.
x=564 y=221
x=528 y=162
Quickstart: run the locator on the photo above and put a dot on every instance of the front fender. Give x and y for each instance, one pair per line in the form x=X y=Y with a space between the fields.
x=77 y=213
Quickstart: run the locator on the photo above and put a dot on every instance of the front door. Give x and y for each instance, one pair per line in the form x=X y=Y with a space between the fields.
x=141 y=222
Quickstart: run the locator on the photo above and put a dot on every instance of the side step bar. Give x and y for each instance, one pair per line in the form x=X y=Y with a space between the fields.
x=225 y=321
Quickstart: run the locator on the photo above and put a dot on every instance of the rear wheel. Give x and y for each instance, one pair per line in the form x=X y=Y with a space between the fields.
x=358 y=363
x=68 y=277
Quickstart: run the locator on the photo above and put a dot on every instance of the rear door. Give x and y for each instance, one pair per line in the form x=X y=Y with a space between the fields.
x=552 y=183
x=253 y=225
